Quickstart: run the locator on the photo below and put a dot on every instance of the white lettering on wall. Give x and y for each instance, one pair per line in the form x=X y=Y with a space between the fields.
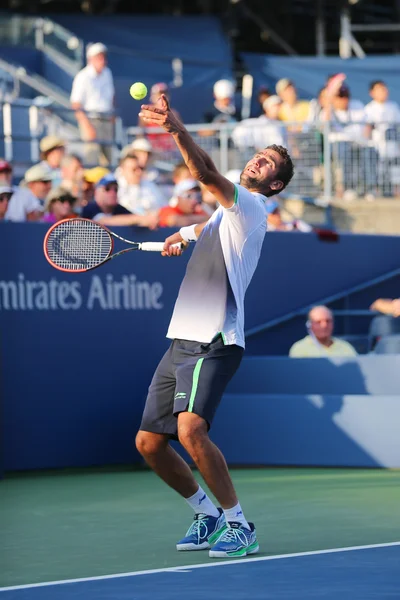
x=126 y=293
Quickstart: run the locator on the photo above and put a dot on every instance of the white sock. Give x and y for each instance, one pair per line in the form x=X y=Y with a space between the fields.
x=201 y=503
x=236 y=514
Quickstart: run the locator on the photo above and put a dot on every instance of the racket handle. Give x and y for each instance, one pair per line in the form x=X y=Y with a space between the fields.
x=154 y=246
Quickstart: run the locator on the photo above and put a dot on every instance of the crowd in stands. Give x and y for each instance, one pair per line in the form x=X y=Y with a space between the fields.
x=137 y=193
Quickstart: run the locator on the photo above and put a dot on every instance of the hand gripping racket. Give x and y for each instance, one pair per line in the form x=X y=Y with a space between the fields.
x=79 y=245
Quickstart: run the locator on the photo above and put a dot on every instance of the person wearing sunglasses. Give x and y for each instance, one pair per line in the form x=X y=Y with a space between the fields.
x=59 y=205
x=185 y=207
x=106 y=210
x=6 y=192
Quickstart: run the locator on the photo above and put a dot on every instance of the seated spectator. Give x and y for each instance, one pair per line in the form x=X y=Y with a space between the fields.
x=6 y=191
x=262 y=131
x=52 y=151
x=90 y=178
x=319 y=342
x=142 y=149
x=23 y=205
x=106 y=210
x=72 y=174
x=136 y=194
x=291 y=109
x=224 y=109
x=38 y=180
x=276 y=223
x=59 y=205
x=316 y=106
x=180 y=173
x=186 y=206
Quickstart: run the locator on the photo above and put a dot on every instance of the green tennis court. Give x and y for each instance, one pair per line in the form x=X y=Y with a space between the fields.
x=88 y=523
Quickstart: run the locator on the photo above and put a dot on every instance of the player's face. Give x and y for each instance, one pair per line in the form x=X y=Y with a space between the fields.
x=261 y=170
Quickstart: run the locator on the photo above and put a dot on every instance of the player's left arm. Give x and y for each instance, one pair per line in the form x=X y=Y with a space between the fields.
x=197 y=160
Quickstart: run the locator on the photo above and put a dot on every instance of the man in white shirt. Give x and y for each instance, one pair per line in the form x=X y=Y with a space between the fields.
x=92 y=97
x=23 y=204
x=383 y=119
x=257 y=133
x=135 y=193
x=207 y=329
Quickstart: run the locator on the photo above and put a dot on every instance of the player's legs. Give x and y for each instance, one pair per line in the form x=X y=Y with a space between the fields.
x=193 y=435
x=166 y=462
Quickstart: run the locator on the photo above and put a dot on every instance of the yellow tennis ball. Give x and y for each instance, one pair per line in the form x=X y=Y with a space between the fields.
x=138 y=90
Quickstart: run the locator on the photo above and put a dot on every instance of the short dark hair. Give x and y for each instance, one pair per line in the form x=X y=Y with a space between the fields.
x=285 y=169
x=376 y=82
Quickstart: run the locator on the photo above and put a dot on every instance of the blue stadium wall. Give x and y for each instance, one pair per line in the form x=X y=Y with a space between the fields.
x=78 y=353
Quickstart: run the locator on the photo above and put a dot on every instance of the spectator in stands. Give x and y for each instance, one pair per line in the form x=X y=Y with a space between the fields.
x=185 y=207
x=317 y=105
x=23 y=205
x=263 y=94
x=383 y=118
x=276 y=223
x=92 y=98
x=52 y=151
x=136 y=194
x=355 y=161
x=89 y=179
x=72 y=174
x=105 y=208
x=319 y=342
x=291 y=109
x=38 y=179
x=143 y=150
x=59 y=205
x=224 y=109
x=180 y=173
x=6 y=191
x=258 y=133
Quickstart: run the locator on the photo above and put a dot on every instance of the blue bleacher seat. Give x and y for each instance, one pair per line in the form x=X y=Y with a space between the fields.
x=380 y=326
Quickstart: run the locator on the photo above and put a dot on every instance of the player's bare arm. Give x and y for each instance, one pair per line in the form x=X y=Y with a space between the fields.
x=199 y=163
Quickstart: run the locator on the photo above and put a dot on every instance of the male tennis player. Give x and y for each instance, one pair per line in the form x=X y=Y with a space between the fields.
x=208 y=339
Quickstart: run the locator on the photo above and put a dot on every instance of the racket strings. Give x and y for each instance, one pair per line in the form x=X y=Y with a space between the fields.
x=78 y=244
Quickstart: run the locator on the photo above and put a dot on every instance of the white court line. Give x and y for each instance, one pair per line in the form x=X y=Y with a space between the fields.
x=242 y=561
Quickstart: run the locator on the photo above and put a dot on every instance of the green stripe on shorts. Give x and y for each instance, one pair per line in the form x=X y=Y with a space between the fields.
x=195 y=383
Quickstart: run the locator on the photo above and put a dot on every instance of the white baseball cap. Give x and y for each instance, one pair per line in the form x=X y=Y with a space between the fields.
x=95 y=49
x=224 y=88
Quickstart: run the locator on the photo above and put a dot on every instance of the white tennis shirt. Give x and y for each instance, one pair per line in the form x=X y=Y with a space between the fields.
x=94 y=91
x=211 y=296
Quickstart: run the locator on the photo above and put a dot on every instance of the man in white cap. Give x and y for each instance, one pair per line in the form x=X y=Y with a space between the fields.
x=255 y=134
x=224 y=109
x=92 y=98
x=52 y=151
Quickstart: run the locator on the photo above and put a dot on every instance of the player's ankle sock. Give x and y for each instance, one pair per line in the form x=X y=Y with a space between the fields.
x=236 y=514
x=201 y=503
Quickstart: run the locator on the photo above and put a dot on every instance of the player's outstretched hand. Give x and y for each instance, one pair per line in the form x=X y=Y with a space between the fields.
x=170 y=249
x=161 y=114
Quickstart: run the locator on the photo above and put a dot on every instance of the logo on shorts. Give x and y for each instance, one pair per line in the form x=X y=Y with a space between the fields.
x=180 y=396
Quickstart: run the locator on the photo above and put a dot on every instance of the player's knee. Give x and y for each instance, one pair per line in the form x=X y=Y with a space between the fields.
x=192 y=430
x=149 y=444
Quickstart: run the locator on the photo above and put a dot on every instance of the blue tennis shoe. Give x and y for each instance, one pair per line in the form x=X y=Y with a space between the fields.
x=203 y=532
x=236 y=541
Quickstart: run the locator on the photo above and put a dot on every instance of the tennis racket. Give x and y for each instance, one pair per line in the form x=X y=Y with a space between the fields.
x=79 y=245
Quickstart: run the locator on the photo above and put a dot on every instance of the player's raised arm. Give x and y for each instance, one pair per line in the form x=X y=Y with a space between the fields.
x=197 y=160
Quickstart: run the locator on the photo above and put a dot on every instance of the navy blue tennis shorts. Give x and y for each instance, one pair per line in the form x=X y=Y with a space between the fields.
x=190 y=377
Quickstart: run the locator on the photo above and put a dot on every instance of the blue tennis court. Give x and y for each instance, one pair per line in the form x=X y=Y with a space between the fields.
x=357 y=573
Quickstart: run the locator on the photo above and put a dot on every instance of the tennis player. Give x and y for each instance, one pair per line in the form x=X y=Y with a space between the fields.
x=207 y=332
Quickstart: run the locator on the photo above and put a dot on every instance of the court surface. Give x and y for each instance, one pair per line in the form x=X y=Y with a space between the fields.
x=324 y=534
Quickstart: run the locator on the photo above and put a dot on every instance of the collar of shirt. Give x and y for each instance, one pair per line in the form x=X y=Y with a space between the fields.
x=260 y=197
